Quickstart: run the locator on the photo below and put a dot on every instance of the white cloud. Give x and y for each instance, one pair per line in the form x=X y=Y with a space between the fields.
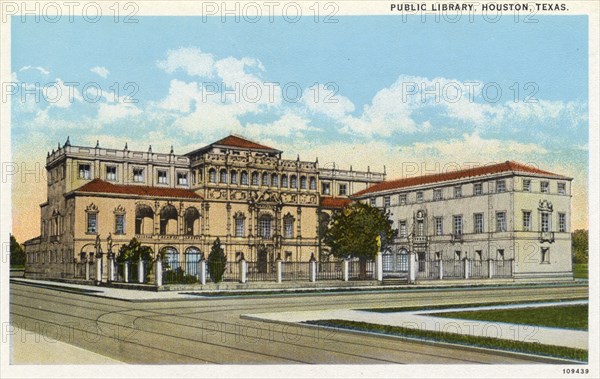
x=181 y=95
x=101 y=71
x=288 y=125
x=324 y=100
x=108 y=113
x=40 y=69
x=60 y=95
x=189 y=59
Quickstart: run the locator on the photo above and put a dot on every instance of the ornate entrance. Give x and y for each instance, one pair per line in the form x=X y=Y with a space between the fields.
x=395 y=264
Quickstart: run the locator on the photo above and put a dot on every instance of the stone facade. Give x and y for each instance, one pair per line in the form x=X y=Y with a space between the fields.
x=507 y=211
x=258 y=204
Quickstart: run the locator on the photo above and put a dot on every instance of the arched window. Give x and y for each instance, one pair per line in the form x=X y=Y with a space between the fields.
x=144 y=219
x=192 y=256
x=303 y=182
x=223 y=176
x=168 y=220
x=212 y=175
x=265 y=179
x=234 y=177
x=275 y=180
x=288 y=226
x=191 y=220
x=244 y=178
x=293 y=181
x=255 y=178
x=313 y=183
x=284 y=181
x=170 y=257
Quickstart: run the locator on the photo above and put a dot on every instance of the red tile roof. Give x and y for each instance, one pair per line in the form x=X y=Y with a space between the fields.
x=236 y=141
x=336 y=203
x=101 y=186
x=508 y=166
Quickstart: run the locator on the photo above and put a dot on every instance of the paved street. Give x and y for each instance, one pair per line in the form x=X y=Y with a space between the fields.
x=210 y=330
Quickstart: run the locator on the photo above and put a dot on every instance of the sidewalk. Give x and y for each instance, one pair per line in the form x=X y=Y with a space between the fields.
x=425 y=320
x=29 y=348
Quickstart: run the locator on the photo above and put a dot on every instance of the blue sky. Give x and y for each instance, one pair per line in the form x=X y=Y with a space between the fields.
x=371 y=60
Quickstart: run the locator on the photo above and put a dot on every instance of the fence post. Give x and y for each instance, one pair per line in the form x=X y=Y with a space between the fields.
x=126 y=271
x=346 y=269
x=158 y=272
x=99 y=268
x=243 y=271
x=441 y=268
x=490 y=268
x=202 y=271
x=279 y=267
x=141 y=271
x=412 y=274
x=379 y=266
x=312 y=270
x=467 y=268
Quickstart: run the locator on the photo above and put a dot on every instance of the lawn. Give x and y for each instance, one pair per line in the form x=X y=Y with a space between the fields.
x=563 y=316
x=488 y=342
x=580 y=270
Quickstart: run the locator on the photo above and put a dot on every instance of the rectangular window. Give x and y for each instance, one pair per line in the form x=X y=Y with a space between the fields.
x=562 y=189
x=501 y=221
x=545 y=255
x=526 y=221
x=325 y=188
x=526 y=185
x=478 y=255
x=545 y=222
x=265 y=227
x=439 y=226
x=288 y=256
x=500 y=186
x=239 y=227
x=84 y=171
x=402 y=229
x=457 y=191
x=342 y=190
x=373 y=201
x=111 y=173
x=544 y=187
x=562 y=222
x=233 y=177
x=437 y=195
x=119 y=224
x=92 y=223
x=420 y=197
x=477 y=189
x=478 y=223
x=457 y=226
x=457 y=254
x=138 y=175
x=182 y=178
x=386 y=201
x=162 y=177
x=402 y=200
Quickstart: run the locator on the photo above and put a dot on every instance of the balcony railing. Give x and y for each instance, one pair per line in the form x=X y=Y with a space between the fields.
x=457 y=237
x=546 y=236
x=420 y=239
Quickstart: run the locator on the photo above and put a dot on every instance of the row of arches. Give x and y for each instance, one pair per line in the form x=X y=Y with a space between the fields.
x=168 y=218
x=265 y=179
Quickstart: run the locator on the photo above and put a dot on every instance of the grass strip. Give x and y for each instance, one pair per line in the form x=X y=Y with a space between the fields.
x=461 y=339
x=559 y=316
x=580 y=270
x=466 y=305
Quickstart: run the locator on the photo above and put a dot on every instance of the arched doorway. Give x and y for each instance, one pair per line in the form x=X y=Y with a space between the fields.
x=192 y=256
x=170 y=257
x=262 y=258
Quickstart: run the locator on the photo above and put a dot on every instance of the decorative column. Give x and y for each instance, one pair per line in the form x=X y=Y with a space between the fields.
x=412 y=266
x=490 y=268
x=126 y=271
x=467 y=268
x=441 y=262
x=243 y=270
x=379 y=266
x=202 y=271
x=141 y=271
x=346 y=269
x=158 y=272
x=99 y=264
x=312 y=271
x=279 y=266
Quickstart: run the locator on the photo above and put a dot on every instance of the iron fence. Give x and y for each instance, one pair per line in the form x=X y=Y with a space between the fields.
x=295 y=271
x=361 y=270
x=330 y=271
x=502 y=268
x=261 y=272
x=479 y=269
x=453 y=268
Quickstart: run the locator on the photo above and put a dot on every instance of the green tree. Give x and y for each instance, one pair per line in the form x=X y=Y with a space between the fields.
x=133 y=251
x=216 y=261
x=17 y=254
x=579 y=246
x=359 y=231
